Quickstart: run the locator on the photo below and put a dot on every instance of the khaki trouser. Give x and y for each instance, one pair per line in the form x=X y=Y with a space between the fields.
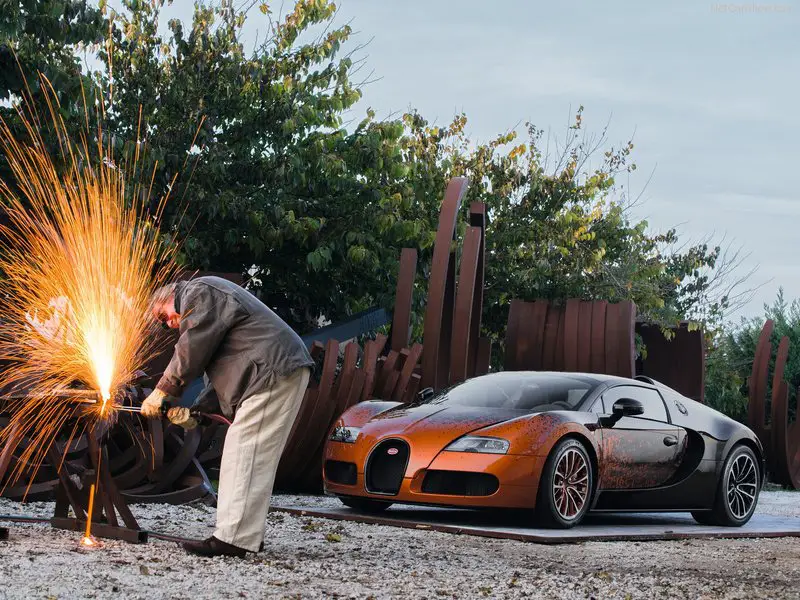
x=253 y=446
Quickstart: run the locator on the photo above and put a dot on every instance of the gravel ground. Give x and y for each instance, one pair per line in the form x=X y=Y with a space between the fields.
x=318 y=558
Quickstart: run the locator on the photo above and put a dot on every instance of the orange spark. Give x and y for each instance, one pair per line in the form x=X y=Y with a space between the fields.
x=80 y=259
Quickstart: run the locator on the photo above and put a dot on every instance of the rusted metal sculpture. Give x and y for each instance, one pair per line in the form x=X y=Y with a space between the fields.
x=594 y=337
x=677 y=361
x=441 y=291
x=780 y=438
x=599 y=337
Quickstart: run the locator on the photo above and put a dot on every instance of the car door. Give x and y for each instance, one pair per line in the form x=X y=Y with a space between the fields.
x=642 y=451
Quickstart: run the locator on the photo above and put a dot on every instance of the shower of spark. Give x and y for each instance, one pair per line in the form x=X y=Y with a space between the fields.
x=79 y=259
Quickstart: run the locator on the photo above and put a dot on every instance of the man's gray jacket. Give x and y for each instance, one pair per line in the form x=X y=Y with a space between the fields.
x=239 y=342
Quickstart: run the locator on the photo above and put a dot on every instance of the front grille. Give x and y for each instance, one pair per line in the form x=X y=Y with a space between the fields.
x=386 y=467
x=459 y=483
x=338 y=471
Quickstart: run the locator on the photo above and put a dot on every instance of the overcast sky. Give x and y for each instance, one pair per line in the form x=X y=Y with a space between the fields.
x=709 y=92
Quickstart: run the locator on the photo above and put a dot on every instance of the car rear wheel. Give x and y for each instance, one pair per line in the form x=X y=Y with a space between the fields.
x=737 y=491
x=366 y=504
x=565 y=487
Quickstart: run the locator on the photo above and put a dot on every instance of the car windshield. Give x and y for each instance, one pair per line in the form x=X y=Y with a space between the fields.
x=532 y=393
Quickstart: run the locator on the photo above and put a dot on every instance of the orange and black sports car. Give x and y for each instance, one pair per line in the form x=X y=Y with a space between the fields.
x=560 y=444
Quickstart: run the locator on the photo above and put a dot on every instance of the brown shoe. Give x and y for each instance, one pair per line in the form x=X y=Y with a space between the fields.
x=214 y=547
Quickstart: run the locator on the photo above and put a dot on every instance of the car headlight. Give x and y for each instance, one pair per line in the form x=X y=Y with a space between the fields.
x=478 y=443
x=347 y=435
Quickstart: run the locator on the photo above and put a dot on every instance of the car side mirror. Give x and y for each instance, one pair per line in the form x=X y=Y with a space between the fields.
x=624 y=407
x=424 y=394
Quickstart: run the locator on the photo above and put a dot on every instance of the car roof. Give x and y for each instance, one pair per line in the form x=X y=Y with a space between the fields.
x=594 y=379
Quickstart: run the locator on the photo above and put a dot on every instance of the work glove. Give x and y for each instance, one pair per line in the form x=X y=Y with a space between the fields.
x=181 y=416
x=151 y=407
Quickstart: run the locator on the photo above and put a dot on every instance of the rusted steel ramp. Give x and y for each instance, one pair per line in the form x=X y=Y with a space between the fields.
x=597 y=527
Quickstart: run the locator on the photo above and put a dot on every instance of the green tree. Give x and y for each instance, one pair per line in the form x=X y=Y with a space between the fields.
x=272 y=184
x=47 y=37
x=557 y=229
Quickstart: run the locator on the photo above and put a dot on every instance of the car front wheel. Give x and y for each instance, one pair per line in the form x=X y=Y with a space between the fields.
x=565 y=486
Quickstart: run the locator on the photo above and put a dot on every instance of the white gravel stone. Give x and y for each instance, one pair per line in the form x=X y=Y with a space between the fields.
x=319 y=558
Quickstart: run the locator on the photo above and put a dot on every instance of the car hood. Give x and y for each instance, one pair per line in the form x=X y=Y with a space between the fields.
x=452 y=421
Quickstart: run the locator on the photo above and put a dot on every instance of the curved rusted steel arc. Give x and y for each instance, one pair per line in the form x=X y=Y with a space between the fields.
x=438 y=315
x=403 y=300
x=170 y=472
x=477 y=218
x=779 y=412
x=464 y=303
x=184 y=496
x=30 y=492
x=758 y=384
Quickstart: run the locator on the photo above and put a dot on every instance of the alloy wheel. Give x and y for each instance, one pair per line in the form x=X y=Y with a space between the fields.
x=742 y=486
x=571 y=484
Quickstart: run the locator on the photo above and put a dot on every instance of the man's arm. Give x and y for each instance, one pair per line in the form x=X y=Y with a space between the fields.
x=206 y=317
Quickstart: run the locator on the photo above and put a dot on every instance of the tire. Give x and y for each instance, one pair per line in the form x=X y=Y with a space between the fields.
x=565 y=486
x=737 y=490
x=366 y=504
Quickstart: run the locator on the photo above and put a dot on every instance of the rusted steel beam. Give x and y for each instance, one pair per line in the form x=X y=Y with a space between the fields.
x=404 y=297
x=412 y=389
x=372 y=350
x=441 y=289
x=584 y=337
x=477 y=218
x=758 y=384
x=571 y=333
x=465 y=301
x=779 y=413
x=678 y=362
x=513 y=336
x=321 y=416
x=483 y=359
x=410 y=364
x=598 y=347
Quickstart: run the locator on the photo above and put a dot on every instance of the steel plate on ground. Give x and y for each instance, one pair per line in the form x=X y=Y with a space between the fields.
x=597 y=527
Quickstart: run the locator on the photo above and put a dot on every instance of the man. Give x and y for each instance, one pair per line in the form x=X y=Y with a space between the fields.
x=257 y=369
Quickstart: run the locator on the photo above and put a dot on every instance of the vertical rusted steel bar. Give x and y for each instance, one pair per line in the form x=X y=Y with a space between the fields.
x=439 y=312
x=404 y=296
x=585 y=337
x=477 y=218
x=571 y=333
x=598 y=349
x=757 y=388
x=465 y=301
x=405 y=374
x=513 y=332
